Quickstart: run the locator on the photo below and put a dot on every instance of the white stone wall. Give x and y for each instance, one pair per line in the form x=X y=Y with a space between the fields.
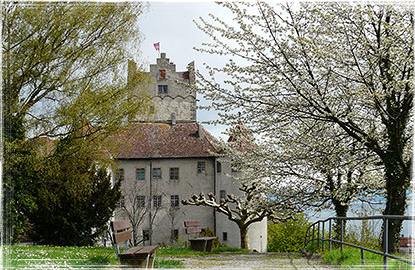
x=189 y=182
x=257 y=232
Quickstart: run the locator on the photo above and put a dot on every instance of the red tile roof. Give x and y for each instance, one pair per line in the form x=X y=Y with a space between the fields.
x=158 y=140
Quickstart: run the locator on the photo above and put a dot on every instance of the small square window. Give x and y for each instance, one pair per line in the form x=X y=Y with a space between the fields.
x=156 y=173
x=174 y=235
x=157 y=201
x=146 y=235
x=119 y=175
x=141 y=201
x=174 y=173
x=140 y=174
x=174 y=201
x=201 y=167
x=218 y=167
x=163 y=89
x=222 y=194
x=224 y=236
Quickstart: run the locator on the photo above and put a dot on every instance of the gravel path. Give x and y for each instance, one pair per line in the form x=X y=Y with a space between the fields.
x=251 y=261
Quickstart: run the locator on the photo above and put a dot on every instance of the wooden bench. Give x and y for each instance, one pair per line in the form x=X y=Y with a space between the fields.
x=198 y=243
x=138 y=257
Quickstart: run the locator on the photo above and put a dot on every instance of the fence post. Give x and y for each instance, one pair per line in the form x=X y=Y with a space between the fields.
x=313 y=232
x=341 y=236
x=362 y=255
x=330 y=234
x=385 y=243
x=318 y=234
x=323 y=236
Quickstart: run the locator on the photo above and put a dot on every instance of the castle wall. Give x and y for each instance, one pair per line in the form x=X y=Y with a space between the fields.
x=257 y=232
x=173 y=99
x=189 y=183
x=175 y=102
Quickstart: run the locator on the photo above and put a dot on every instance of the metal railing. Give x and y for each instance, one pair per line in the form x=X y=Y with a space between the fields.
x=319 y=230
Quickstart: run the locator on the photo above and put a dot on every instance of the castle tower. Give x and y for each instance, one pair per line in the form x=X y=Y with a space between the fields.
x=174 y=101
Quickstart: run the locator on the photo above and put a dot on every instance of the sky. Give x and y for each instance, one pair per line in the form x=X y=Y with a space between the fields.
x=172 y=25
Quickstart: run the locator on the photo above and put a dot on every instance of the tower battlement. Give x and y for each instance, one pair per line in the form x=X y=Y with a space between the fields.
x=174 y=99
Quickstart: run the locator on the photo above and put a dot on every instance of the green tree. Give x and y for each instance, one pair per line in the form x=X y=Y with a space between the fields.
x=64 y=76
x=288 y=236
x=18 y=179
x=65 y=62
x=348 y=65
x=75 y=197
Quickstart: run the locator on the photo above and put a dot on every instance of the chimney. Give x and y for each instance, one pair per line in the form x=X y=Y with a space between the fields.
x=200 y=131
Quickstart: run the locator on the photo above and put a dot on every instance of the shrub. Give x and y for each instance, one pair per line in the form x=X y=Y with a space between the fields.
x=287 y=236
x=209 y=233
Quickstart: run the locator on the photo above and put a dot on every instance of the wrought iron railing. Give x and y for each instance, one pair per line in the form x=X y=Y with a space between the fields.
x=318 y=229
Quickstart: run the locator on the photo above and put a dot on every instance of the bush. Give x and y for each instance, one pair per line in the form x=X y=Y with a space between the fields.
x=287 y=236
x=209 y=233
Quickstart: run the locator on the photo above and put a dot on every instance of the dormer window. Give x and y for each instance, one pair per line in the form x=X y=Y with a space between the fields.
x=162 y=74
x=163 y=89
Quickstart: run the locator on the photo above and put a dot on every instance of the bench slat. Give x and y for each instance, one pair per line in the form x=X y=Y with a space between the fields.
x=122 y=236
x=146 y=250
x=137 y=253
x=194 y=223
x=118 y=225
x=191 y=230
x=131 y=251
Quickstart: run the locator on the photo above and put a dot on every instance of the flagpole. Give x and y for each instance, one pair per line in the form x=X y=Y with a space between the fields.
x=159 y=49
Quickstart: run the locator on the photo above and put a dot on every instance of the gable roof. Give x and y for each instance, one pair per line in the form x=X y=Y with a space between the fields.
x=159 y=140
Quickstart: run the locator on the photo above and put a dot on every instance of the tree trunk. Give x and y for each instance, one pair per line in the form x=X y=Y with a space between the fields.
x=341 y=211
x=397 y=183
x=243 y=230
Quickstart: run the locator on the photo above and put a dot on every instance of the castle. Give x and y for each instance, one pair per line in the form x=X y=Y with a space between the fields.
x=169 y=157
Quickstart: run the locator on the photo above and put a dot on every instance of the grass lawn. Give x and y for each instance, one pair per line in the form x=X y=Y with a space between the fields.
x=351 y=257
x=49 y=257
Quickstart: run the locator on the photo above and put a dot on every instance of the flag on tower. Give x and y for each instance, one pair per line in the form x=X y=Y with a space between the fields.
x=157 y=46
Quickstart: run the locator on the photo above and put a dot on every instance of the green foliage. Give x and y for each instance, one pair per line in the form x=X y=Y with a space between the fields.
x=63 y=77
x=287 y=236
x=19 y=175
x=63 y=63
x=165 y=263
x=364 y=235
x=75 y=198
x=314 y=246
x=209 y=233
x=352 y=257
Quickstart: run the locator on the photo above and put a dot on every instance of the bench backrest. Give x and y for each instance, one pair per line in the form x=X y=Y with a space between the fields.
x=192 y=227
x=121 y=232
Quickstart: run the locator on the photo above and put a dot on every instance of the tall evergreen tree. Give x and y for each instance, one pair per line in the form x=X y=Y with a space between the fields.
x=74 y=197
